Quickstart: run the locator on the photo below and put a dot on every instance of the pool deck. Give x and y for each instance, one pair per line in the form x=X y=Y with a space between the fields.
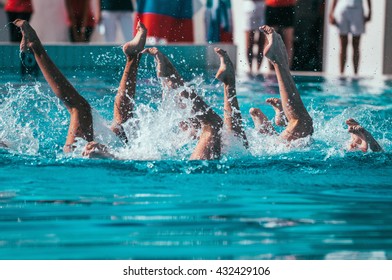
x=187 y=58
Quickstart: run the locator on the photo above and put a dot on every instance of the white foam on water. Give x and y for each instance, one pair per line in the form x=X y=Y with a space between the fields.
x=18 y=135
x=32 y=118
x=155 y=133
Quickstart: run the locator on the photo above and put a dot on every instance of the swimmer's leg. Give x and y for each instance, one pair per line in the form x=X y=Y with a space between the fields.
x=165 y=69
x=300 y=123
x=280 y=117
x=124 y=101
x=361 y=138
x=261 y=122
x=355 y=141
x=81 y=124
x=171 y=79
x=210 y=141
x=232 y=112
x=209 y=145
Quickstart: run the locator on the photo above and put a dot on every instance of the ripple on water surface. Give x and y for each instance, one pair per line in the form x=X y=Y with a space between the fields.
x=270 y=202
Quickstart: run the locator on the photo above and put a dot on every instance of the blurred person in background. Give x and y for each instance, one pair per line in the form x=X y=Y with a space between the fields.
x=113 y=14
x=219 y=21
x=255 y=17
x=280 y=14
x=15 y=9
x=349 y=17
x=80 y=20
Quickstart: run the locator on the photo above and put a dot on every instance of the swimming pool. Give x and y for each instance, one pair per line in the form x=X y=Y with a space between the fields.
x=270 y=202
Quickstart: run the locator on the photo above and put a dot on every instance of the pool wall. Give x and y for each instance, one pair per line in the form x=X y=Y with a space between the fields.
x=194 y=58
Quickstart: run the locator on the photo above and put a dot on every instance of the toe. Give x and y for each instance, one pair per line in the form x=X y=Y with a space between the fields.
x=254 y=111
x=351 y=121
x=266 y=29
x=18 y=22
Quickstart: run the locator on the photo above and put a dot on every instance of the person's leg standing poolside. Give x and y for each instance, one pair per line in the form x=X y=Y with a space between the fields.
x=343 y=52
x=356 y=53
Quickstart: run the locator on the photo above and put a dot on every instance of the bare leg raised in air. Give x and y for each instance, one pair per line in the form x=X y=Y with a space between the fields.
x=232 y=112
x=81 y=123
x=209 y=144
x=124 y=101
x=300 y=123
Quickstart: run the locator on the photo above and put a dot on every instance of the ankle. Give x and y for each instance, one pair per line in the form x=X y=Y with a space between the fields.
x=131 y=58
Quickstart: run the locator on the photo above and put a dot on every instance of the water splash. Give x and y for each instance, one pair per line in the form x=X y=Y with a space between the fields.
x=34 y=122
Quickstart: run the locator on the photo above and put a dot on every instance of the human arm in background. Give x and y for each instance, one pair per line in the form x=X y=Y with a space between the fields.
x=369 y=16
x=332 y=19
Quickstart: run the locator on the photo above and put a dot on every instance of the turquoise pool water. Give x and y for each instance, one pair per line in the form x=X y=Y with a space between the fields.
x=318 y=202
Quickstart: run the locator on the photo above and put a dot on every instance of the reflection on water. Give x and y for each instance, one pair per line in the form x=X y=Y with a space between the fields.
x=270 y=202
